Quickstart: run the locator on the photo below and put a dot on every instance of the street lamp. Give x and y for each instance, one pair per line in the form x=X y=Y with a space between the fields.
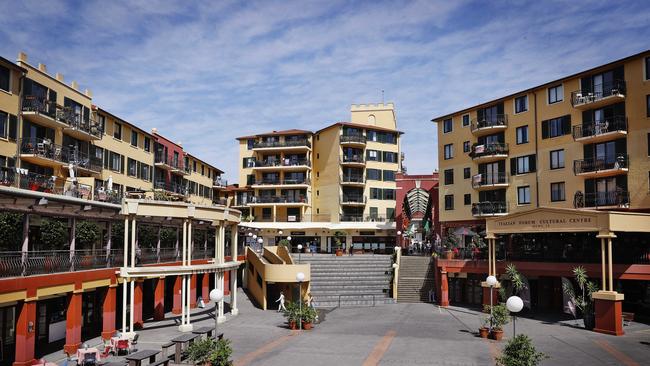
x=289 y=238
x=514 y=305
x=399 y=237
x=279 y=232
x=216 y=295
x=491 y=281
x=254 y=236
x=300 y=277
x=250 y=233
x=299 y=250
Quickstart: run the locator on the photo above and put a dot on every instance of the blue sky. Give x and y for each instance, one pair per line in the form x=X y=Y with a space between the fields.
x=206 y=72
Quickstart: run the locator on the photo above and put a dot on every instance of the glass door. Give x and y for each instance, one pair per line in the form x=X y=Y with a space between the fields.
x=605 y=191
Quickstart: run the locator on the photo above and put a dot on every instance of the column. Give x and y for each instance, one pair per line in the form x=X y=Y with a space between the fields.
x=177 y=308
x=108 y=315
x=205 y=288
x=602 y=258
x=608 y=304
x=25 y=246
x=233 y=293
x=193 y=280
x=124 y=280
x=221 y=318
x=73 y=241
x=138 y=323
x=73 y=323
x=159 y=299
x=109 y=243
x=158 y=244
x=610 y=272
x=25 y=332
x=444 y=288
x=234 y=242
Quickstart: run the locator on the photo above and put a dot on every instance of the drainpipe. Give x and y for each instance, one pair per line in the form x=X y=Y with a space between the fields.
x=536 y=156
x=19 y=125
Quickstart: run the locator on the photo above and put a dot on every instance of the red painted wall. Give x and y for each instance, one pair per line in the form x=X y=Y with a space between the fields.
x=406 y=183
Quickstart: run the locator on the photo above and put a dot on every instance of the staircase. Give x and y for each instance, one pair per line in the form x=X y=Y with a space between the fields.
x=415 y=279
x=359 y=280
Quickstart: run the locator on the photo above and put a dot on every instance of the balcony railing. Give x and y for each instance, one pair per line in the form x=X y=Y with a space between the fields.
x=103 y=195
x=353 y=178
x=33 y=103
x=352 y=159
x=281 y=163
x=360 y=139
x=169 y=160
x=285 y=143
x=362 y=218
x=220 y=182
x=596 y=128
x=66 y=115
x=277 y=199
x=44 y=148
x=490 y=179
x=600 y=91
x=595 y=165
x=620 y=198
x=353 y=198
x=500 y=120
x=489 y=208
x=490 y=149
x=282 y=182
x=171 y=187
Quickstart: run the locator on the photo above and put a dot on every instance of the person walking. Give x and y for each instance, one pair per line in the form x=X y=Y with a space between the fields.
x=281 y=307
x=351 y=250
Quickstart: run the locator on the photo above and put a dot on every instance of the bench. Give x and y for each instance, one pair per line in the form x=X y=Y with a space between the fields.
x=627 y=318
x=163 y=362
x=165 y=347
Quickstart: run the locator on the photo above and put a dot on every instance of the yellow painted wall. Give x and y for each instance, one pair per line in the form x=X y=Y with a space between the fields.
x=327 y=191
x=10 y=104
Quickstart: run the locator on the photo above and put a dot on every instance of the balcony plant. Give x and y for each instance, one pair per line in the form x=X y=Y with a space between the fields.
x=584 y=301
x=484 y=330
x=520 y=351
x=451 y=243
x=338 y=237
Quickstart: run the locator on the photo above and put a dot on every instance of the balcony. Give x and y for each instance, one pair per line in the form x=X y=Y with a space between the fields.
x=353 y=140
x=77 y=127
x=489 y=152
x=352 y=180
x=278 y=200
x=45 y=153
x=284 y=183
x=352 y=160
x=603 y=130
x=170 y=163
x=361 y=218
x=484 y=182
x=353 y=200
x=172 y=188
x=112 y=196
x=489 y=125
x=286 y=145
x=615 y=199
x=601 y=167
x=601 y=95
x=489 y=208
x=219 y=183
x=282 y=164
x=41 y=111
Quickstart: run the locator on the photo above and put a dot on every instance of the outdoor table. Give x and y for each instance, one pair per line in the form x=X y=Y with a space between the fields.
x=180 y=341
x=82 y=352
x=114 y=342
x=204 y=330
x=45 y=364
x=136 y=358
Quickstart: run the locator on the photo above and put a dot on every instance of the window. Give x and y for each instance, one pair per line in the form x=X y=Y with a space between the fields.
x=466 y=173
x=134 y=138
x=449 y=176
x=375 y=193
x=389 y=176
x=147 y=144
x=4 y=78
x=449 y=151
x=522 y=135
x=250 y=143
x=390 y=157
x=372 y=135
x=390 y=213
x=115 y=162
x=202 y=169
x=373 y=174
x=194 y=166
x=466 y=146
x=523 y=195
x=465 y=120
x=555 y=94
x=523 y=164
x=267 y=213
x=447 y=125
x=373 y=155
x=467 y=199
x=556 y=127
x=132 y=167
x=449 y=202
x=117 y=131
x=521 y=104
x=101 y=121
x=389 y=194
x=145 y=172
x=557 y=159
x=557 y=192
x=647 y=68
x=4 y=122
x=647 y=105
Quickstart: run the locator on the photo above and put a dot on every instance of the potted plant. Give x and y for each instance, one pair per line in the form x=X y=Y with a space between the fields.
x=338 y=242
x=500 y=317
x=291 y=312
x=583 y=302
x=210 y=352
x=450 y=243
x=308 y=316
x=520 y=351
x=484 y=330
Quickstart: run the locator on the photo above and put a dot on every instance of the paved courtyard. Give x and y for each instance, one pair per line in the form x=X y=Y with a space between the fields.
x=402 y=334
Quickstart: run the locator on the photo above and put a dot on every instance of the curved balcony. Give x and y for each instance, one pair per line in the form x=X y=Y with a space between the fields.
x=606 y=129
x=490 y=208
x=601 y=95
x=353 y=200
x=352 y=180
x=282 y=164
x=484 y=182
x=353 y=140
x=489 y=152
x=615 y=199
x=352 y=160
x=486 y=126
x=593 y=168
x=286 y=145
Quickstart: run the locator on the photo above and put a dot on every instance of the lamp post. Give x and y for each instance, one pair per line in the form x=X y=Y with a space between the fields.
x=280 y=232
x=299 y=250
x=216 y=295
x=300 y=277
x=514 y=305
x=399 y=238
x=491 y=281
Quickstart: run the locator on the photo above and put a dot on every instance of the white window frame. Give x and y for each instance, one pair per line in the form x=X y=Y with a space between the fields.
x=527 y=159
x=514 y=104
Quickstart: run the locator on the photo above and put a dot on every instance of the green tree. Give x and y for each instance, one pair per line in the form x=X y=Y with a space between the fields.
x=520 y=351
x=167 y=237
x=54 y=233
x=117 y=234
x=87 y=233
x=147 y=236
x=10 y=230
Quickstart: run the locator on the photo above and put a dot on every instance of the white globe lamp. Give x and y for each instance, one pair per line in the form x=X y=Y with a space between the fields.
x=216 y=295
x=280 y=232
x=514 y=304
x=289 y=238
x=491 y=281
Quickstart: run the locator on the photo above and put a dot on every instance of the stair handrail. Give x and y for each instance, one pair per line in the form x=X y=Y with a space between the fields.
x=398 y=261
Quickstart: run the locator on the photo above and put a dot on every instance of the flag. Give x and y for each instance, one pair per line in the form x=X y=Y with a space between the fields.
x=426 y=227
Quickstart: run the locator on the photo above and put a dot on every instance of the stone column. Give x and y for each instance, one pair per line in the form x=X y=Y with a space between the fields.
x=73 y=323
x=176 y=306
x=233 y=292
x=25 y=332
x=108 y=312
x=193 y=280
x=159 y=299
x=444 y=288
x=25 y=245
x=73 y=242
x=109 y=243
x=205 y=288
x=221 y=318
x=608 y=304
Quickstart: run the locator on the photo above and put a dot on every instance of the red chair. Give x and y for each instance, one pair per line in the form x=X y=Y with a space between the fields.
x=122 y=345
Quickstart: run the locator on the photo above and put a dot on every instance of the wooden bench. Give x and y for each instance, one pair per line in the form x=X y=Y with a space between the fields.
x=163 y=362
x=165 y=347
x=627 y=318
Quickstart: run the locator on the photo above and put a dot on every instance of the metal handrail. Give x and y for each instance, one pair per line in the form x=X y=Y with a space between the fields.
x=168 y=159
x=586 y=96
x=492 y=148
x=487 y=179
x=285 y=143
x=599 y=127
x=489 y=208
x=350 y=295
x=621 y=161
x=352 y=159
x=499 y=120
x=353 y=138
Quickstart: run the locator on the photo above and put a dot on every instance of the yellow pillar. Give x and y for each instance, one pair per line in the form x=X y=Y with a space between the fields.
x=602 y=259
x=611 y=275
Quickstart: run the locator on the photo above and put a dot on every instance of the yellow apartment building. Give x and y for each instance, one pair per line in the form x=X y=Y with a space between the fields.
x=309 y=185
x=579 y=142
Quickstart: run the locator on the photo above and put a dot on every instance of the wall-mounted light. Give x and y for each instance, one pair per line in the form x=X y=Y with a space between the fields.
x=88 y=207
x=30 y=327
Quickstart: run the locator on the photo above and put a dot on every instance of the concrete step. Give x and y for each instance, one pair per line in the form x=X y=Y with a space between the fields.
x=353 y=281
x=328 y=274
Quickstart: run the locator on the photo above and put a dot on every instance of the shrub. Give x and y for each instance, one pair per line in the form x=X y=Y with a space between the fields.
x=87 y=233
x=10 y=230
x=500 y=315
x=519 y=351
x=55 y=233
x=208 y=350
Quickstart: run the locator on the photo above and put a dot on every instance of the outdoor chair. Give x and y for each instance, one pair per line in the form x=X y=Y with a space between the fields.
x=122 y=345
x=89 y=359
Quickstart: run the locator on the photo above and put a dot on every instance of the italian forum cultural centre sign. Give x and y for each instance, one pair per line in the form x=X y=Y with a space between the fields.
x=548 y=220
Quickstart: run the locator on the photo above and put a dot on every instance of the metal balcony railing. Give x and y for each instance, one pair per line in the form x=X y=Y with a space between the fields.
x=220 y=182
x=493 y=148
x=277 y=199
x=65 y=154
x=594 y=165
x=352 y=159
x=600 y=127
x=368 y=218
x=354 y=138
x=282 y=181
x=39 y=104
x=66 y=115
x=489 y=179
x=285 y=143
x=488 y=208
x=171 y=187
x=353 y=178
x=353 y=198
x=170 y=160
x=499 y=120
x=599 y=91
x=619 y=197
x=281 y=163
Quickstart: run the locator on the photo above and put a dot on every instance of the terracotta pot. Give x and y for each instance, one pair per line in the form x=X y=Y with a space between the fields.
x=449 y=254
x=483 y=332
x=496 y=334
x=339 y=252
x=292 y=325
x=306 y=325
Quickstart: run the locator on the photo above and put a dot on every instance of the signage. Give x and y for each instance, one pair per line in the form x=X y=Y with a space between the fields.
x=298 y=233
x=544 y=221
x=366 y=233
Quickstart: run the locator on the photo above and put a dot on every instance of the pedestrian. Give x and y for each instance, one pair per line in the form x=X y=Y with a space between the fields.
x=281 y=307
x=351 y=251
x=312 y=248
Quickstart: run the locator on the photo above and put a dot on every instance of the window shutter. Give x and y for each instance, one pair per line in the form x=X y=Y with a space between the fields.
x=513 y=166
x=138 y=169
x=52 y=98
x=27 y=86
x=566 y=124
x=243 y=163
x=501 y=138
x=123 y=168
x=106 y=159
x=621 y=182
x=619 y=74
x=86 y=115
x=619 y=109
x=532 y=162
x=13 y=127
x=588 y=151
x=480 y=114
x=589 y=186
x=587 y=117
x=544 y=129
x=501 y=165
